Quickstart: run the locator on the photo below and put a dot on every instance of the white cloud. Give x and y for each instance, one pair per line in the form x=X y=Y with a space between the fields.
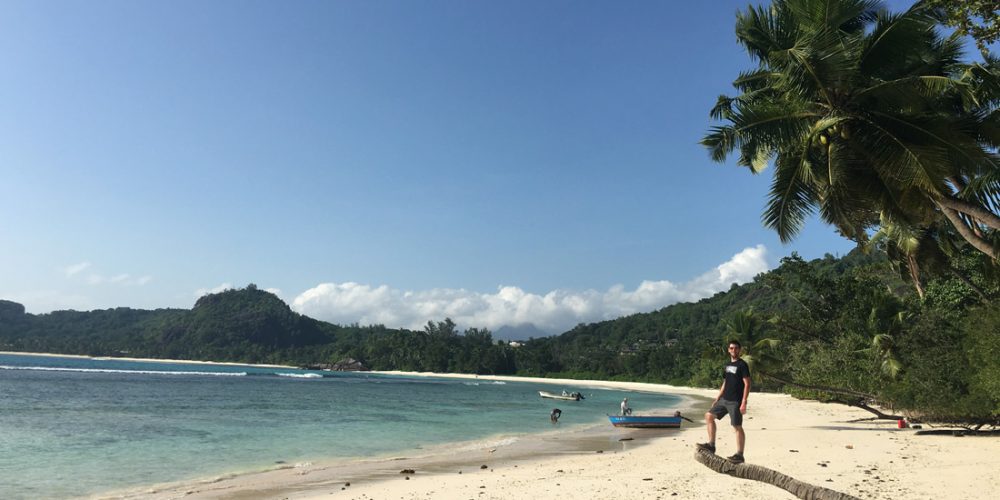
x=76 y=268
x=96 y=278
x=555 y=311
x=205 y=291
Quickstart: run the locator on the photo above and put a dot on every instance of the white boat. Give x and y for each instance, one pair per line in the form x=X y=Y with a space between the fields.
x=569 y=396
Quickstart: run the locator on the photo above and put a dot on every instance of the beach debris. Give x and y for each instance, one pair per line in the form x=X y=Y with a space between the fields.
x=407 y=478
x=484 y=466
x=626 y=439
x=850 y=447
x=560 y=470
x=407 y=471
x=347 y=483
x=647 y=479
x=600 y=451
x=793 y=451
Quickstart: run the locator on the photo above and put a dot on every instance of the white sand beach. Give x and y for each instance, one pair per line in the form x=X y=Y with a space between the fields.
x=812 y=442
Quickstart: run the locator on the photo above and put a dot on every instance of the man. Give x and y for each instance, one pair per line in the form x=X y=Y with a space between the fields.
x=625 y=409
x=732 y=400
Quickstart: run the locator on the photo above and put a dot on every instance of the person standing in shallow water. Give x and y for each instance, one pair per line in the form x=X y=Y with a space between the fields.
x=732 y=400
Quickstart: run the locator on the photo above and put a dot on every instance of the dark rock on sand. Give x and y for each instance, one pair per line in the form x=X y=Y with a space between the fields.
x=344 y=365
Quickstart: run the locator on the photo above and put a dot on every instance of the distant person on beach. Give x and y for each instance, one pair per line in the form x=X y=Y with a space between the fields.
x=732 y=400
x=554 y=416
x=625 y=409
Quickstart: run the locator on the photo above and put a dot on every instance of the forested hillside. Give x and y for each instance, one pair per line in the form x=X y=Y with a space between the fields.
x=842 y=329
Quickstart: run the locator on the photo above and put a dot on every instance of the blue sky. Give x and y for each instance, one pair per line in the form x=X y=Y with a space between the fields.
x=376 y=161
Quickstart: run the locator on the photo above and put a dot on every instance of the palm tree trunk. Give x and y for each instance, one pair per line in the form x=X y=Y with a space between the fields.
x=828 y=390
x=960 y=183
x=769 y=476
x=981 y=214
x=914 y=268
x=966 y=233
x=860 y=403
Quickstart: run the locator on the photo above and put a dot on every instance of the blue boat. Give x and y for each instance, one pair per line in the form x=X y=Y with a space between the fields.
x=646 y=421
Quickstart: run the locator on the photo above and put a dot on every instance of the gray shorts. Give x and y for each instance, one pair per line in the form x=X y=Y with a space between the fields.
x=725 y=406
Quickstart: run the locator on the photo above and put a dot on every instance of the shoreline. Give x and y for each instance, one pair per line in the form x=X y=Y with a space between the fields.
x=818 y=443
x=305 y=479
x=146 y=360
x=826 y=445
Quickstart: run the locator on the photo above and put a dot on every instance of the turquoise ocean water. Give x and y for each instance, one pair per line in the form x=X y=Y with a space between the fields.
x=74 y=426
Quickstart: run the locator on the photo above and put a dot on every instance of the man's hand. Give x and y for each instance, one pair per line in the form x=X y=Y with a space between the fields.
x=743 y=408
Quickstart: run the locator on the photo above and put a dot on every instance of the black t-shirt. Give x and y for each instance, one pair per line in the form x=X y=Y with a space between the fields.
x=735 y=371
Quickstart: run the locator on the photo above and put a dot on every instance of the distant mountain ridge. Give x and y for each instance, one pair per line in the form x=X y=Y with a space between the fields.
x=520 y=332
x=255 y=326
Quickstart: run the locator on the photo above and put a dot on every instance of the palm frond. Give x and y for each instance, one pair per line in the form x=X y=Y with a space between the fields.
x=720 y=141
x=764 y=30
x=889 y=49
x=723 y=108
x=790 y=200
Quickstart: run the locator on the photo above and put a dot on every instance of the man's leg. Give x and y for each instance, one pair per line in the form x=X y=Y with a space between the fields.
x=710 y=425
x=741 y=438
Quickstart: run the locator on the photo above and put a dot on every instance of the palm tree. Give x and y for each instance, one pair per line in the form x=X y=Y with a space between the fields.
x=865 y=115
x=914 y=252
x=902 y=244
x=759 y=351
x=886 y=320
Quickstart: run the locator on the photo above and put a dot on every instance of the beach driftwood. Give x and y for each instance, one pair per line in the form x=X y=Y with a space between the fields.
x=798 y=488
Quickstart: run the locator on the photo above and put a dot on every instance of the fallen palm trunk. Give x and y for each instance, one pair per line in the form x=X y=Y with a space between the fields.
x=798 y=488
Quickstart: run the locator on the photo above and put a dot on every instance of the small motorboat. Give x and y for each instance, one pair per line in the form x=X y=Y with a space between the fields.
x=568 y=396
x=646 y=421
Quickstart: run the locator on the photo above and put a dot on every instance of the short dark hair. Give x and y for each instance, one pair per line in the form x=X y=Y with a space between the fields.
x=736 y=343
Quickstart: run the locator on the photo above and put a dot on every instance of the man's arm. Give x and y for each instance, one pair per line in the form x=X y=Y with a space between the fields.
x=721 y=390
x=746 y=394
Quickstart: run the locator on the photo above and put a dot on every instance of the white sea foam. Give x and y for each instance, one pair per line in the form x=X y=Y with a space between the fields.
x=299 y=375
x=105 y=370
x=491 y=444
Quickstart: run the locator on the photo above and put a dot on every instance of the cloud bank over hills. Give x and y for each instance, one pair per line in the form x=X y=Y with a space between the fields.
x=553 y=312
